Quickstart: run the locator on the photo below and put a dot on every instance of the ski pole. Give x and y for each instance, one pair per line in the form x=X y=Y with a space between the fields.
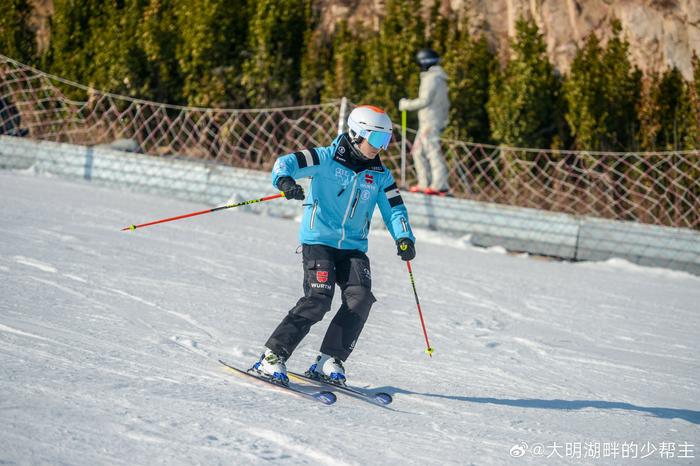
x=403 y=149
x=207 y=211
x=429 y=350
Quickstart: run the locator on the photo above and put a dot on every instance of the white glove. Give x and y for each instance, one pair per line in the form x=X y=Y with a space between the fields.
x=402 y=104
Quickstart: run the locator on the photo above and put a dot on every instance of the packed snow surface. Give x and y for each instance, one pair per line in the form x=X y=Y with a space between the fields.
x=109 y=343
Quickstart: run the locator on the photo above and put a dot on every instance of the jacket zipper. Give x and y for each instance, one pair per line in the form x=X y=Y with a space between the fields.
x=313 y=215
x=354 y=204
x=365 y=233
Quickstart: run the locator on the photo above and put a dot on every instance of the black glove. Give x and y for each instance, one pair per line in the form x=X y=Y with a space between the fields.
x=290 y=188
x=406 y=249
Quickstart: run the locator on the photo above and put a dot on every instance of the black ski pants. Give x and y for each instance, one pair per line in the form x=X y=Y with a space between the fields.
x=324 y=267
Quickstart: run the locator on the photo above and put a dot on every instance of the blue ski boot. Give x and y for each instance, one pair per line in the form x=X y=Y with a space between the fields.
x=272 y=366
x=327 y=368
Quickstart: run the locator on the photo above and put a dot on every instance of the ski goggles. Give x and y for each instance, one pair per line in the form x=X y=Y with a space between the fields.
x=379 y=140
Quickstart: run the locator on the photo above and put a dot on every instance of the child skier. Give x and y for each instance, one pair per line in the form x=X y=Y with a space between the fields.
x=347 y=181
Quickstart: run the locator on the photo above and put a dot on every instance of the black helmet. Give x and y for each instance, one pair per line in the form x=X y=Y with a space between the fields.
x=427 y=58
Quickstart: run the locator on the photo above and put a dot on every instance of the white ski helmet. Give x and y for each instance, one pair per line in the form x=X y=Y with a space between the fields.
x=371 y=123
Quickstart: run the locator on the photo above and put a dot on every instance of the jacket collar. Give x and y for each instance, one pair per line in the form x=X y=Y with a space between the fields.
x=343 y=155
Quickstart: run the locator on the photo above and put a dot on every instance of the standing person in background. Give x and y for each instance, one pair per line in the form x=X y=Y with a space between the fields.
x=433 y=107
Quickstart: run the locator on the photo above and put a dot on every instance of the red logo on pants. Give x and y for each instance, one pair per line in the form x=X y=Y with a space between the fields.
x=321 y=276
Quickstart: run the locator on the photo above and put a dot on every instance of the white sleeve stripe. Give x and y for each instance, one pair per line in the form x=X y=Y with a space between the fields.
x=308 y=157
x=393 y=193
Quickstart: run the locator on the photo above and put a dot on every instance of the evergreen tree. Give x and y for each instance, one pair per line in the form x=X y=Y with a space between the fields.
x=695 y=61
x=584 y=92
x=667 y=116
x=315 y=60
x=390 y=70
x=648 y=112
x=693 y=138
x=603 y=95
x=209 y=52
x=17 y=40
x=673 y=116
x=439 y=28
x=118 y=63
x=271 y=74
x=344 y=78
x=71 y=52
x=468 y=63
x=159 y=39
x=522 y=104
x=622 y=93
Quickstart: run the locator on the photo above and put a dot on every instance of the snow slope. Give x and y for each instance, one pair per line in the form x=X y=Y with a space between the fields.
x=109 y=341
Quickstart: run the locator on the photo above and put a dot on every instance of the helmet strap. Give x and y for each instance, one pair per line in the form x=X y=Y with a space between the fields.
x=356 y=152
x=355 y=142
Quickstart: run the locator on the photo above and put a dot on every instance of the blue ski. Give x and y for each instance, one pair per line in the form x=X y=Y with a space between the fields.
x=325 y=397
x=379 y=398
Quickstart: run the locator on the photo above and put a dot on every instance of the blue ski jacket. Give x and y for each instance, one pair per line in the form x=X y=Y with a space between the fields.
x=343 y=194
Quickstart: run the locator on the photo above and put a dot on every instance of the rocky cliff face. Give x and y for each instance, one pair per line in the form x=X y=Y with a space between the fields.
x=661 y=33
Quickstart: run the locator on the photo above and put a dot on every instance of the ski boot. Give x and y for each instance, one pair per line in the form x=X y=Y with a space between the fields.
x=327 y=368
x=272 y=366
x=437 y=192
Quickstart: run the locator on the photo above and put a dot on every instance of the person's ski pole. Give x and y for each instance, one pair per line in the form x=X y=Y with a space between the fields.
x=429 y=350
x=207 y=211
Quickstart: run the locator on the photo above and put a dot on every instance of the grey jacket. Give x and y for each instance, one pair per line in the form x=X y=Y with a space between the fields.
x=433 y=104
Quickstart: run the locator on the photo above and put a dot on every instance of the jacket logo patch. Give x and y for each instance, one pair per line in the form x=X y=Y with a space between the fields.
x=340 y=154
x=369 y=179
x=322 y=276
x=343 y=175
x=365 y=195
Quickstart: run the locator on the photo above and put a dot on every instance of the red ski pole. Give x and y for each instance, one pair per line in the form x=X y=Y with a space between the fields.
x=429 y=350
x=207 y=211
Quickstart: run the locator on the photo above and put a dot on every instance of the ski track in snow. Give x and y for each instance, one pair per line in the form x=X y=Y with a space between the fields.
x=297 y=447
x=109 y=343
x=35 y=263
x=5 y=328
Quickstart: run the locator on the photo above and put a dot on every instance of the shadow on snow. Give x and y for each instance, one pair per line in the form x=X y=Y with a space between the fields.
x=564 y=405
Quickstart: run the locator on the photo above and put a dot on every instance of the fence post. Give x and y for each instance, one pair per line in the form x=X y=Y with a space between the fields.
x=403 y=149
x=341 y=118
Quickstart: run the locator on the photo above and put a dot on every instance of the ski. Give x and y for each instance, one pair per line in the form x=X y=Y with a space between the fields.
x=379 y=398
x=325 y=397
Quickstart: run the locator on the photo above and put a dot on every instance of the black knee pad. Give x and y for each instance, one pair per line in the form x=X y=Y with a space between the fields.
x=358 y=299
x=313 y=307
